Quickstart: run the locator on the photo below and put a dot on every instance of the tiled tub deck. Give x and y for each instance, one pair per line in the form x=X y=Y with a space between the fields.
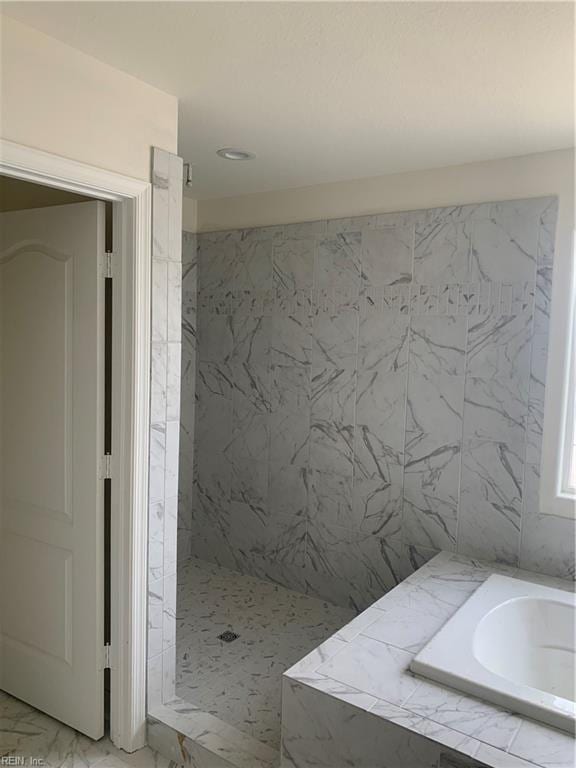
x=353 y=701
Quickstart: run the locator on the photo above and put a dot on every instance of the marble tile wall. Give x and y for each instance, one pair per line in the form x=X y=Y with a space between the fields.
x=165 y=423
x=188 y=386
x=370 y=391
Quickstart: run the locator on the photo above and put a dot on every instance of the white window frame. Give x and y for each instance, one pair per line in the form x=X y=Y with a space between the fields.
x=556 y=496
x=130 y=416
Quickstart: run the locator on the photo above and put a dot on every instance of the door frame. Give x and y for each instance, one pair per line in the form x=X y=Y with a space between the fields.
x=130 y=415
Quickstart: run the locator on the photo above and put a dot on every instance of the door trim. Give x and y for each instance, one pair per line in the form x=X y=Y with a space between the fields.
x=130 y=415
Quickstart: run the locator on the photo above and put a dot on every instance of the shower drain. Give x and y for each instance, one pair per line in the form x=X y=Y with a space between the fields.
x=228 y=636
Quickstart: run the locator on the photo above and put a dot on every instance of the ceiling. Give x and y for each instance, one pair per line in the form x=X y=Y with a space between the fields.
x=328 y=91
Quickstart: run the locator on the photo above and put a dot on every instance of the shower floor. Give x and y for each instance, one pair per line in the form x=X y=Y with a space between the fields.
x=239 y=682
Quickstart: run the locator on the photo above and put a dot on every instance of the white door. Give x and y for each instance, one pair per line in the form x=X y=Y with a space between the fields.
x=51 y=419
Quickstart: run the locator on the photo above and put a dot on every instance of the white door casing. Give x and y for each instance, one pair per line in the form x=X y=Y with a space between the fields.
x=51 y=412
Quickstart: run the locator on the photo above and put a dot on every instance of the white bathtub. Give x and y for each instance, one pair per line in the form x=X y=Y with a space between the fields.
x=512 y=643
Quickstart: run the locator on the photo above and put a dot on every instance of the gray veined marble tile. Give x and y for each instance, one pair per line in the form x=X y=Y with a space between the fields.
x=332 y=420
x=351 y=567
x=169 y=612
x=252 y=268
x=290 y=388
x=543 y=746
x=157 y=461
x=438 y=345
x=330 y=498
x=548 y=542
x=250 y=432
x=335 y=338
x=254 y=531
x=377 y=498
x=251 y=387
x=172 y=453
x=380 y=406
x=528 y=207
x=455 y=214
x=464 y=713
x=405 y=626
x=291 y=340
x=498 y=346
x=491 y=501
x=288 y=489
x=351 y=224
x=290 y=419
x=546 y=234
x=290 y=437
x=355 y=666
x=249 y=484
x=387 y=255
x=442 y=252
x=173 y=382
x=338 y=261
x=383 y=339
x=414 y=557
x=434 y=406
x=156 y=541
x=214 y=382
x=250 y=341
x=214 y=338
x=293 y=262
x=159 y=301
x=431 y=486
x=374 y=458
x=543 y=300
x=154 y=680
x=216 y=262
x=305 y=229
x=505 y=248
x=537 y=391
x=159 y=364
x=398 y=219
x=155 y=615
x=272 y=233
x=170 y=535
x=174 y=310
x=494 y=410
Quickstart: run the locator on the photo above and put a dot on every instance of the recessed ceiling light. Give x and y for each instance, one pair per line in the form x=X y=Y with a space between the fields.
x=228 y=153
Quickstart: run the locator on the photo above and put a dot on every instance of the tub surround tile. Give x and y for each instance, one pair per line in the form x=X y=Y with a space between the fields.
x=491 y=498
x=355 y=666
x=384 y=710
x=544 y=746
x=548 y=543
x=464 y=714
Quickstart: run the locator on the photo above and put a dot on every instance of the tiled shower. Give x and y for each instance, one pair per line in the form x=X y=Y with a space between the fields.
x=357 y=395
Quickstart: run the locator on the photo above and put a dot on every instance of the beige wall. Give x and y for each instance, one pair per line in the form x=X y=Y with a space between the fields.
x=60 y=100
x=516 y=177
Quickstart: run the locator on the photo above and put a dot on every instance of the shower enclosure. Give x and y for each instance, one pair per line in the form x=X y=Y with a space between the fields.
x=356 y=395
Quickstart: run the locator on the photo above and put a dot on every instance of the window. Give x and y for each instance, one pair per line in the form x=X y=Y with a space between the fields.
x=558 y=486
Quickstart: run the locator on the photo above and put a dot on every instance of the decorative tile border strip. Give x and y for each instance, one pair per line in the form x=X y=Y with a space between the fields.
x=457 y=299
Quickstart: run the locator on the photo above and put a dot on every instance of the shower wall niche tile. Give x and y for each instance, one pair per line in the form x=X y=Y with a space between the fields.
x=369 y=391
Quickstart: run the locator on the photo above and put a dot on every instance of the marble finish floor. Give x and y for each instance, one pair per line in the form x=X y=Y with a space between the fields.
x=240 y=682
x=26 y=733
